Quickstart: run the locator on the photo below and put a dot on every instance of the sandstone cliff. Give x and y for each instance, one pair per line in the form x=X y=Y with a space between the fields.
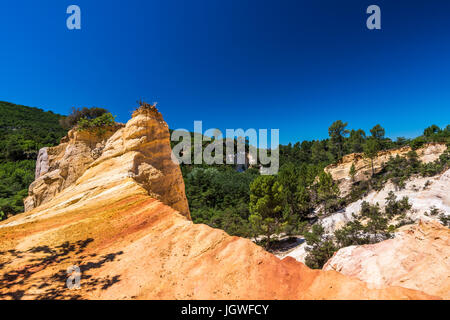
x=422 y=192
x=341 y=170
x=129 y=245
x=417 y=258
x=59 y=167
x=143 y=145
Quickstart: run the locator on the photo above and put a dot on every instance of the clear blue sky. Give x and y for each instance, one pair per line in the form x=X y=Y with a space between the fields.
x=293 y=65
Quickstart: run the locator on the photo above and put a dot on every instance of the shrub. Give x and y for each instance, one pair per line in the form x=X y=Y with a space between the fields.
x=327 y=192
x=433 y=211
x=417 y=142
x=371 y=226
x=97 y=125
x=87 y=113
x=445 y=220
x=351 y=234
x=396 y=208
x=320 y=247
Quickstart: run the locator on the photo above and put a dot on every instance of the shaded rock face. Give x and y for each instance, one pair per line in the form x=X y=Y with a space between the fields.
x=341 y=170
x=417 y=258
x=42 y=164
x=59 y=167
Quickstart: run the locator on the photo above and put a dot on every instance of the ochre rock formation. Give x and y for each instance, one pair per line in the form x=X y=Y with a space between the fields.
x=59 y=167
x=129 y=245
x=417 y=258
x=145 y=143
x=422 y=192
x=341 y=170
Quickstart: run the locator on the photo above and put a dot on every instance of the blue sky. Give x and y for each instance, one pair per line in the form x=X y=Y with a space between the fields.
x=292 y=65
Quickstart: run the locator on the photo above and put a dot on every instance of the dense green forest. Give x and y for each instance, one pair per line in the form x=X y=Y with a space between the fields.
x=248 y=204
x=23 y=131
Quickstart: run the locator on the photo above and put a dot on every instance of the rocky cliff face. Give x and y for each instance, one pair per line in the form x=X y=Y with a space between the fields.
x=417 y=258
x=144 y=141
x=59 y=167
x=423 y=193
x=341 y=170
x=127 y=244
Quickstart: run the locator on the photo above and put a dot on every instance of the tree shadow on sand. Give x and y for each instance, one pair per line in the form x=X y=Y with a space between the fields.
x=27 y=282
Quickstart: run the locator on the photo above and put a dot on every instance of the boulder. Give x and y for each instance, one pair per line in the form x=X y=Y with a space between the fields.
x=417 y=258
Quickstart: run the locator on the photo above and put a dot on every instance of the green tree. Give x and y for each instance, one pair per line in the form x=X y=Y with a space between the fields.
x=77 y=114
x=295 y=182
x=337 y=133
x=377 y=224
x=396 y=208
x=445 y=219
x=352 y=233
x=23 y=131
x=327 y=192
x=266 y=207
x=356 y=140
x=378 y=132
x=352 y=172
x=320 y=247
x=371 y=149
x=319 y=154
x=288 y=178
x=219 y=196
x=97 y=125
x=431 y=130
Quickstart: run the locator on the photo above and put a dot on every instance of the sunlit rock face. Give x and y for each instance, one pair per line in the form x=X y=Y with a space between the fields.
x=341 y=170
x=144 y=141
x=423 y=193
x=124 y=221
x=59 y=167
x=147 y=137
x=417 y=258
